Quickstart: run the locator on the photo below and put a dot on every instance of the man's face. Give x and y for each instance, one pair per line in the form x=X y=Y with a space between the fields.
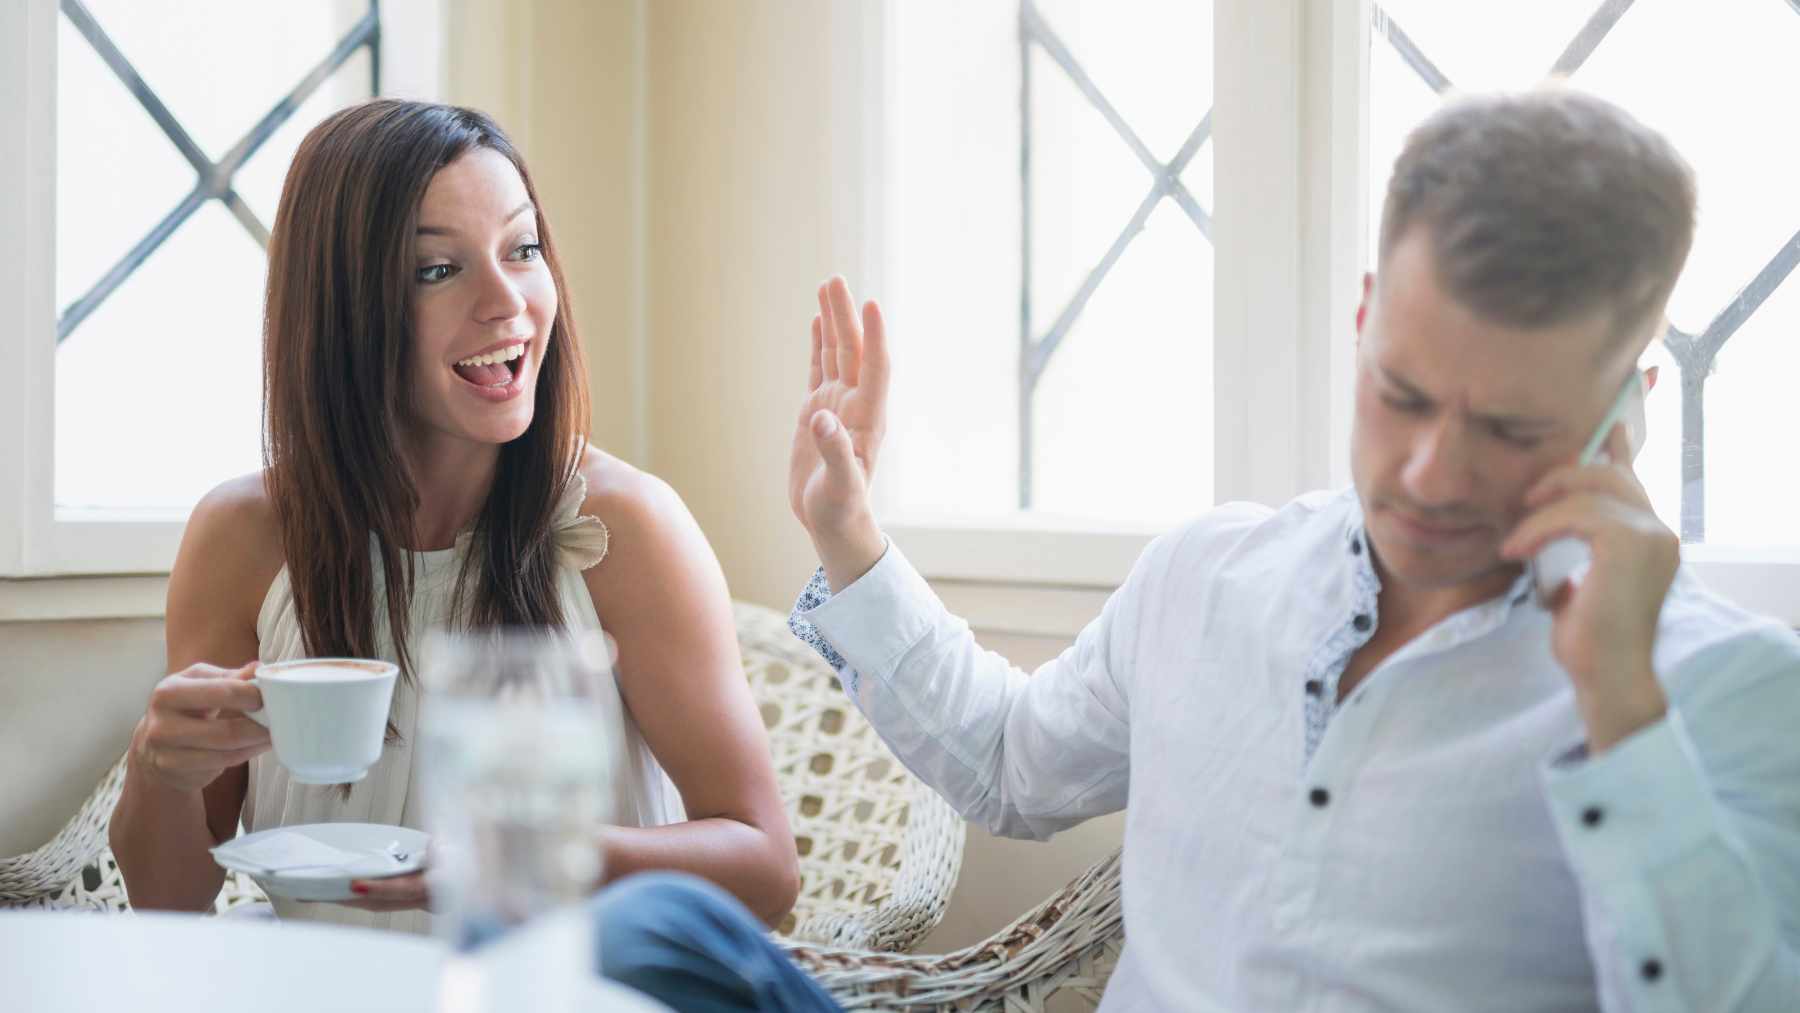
x=1457 y=417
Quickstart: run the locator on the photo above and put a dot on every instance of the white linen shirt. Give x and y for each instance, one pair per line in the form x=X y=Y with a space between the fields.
x=1447 y=846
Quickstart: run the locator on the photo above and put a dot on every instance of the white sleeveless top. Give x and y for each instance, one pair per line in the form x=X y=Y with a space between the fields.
x=642 y=795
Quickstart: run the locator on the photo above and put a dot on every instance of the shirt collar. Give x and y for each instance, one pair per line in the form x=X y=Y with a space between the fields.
x=1353 y=538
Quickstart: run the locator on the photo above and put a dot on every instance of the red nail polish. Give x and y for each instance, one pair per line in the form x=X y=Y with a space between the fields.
x=359 y=888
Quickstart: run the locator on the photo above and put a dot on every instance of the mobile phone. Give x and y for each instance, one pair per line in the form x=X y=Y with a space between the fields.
x=1566 y=559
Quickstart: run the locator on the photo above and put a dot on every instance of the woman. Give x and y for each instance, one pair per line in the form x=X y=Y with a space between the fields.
x=425 y=461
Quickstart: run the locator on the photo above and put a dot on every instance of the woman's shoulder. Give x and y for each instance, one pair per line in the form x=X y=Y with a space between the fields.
x=623 y=496
x=234 y=531
x=651 y=533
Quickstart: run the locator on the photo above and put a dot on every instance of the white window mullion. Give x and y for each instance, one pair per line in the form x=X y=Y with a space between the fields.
x=1258 y=280
x=1334 y=230
x=1290 y=120
x=414 y=50
x=27 y=288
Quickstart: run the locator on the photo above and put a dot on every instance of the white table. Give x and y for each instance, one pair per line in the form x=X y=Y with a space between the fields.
x=52 y=962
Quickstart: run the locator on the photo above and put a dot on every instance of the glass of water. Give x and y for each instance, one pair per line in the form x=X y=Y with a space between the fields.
x=515 y=782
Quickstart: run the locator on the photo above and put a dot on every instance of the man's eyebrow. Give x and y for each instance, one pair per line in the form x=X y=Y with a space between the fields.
x=439 y=230
x=1395 y=379
x=1512 y=421
x=1507 y=419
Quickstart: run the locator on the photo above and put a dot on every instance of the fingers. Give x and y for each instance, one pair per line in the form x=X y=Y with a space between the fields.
x=204 y=694
x=186 y=764
x=394 y=893
x=833 y=442
x=817 y=375
x=847 y=330
x=828 y=352
x=1606 y=479
x=1583 y=515
x=202 y=670
x=223 y=734
x=875 y=347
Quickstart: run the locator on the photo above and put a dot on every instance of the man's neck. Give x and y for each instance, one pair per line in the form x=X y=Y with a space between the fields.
x=1408 y=611
x=1415 y=609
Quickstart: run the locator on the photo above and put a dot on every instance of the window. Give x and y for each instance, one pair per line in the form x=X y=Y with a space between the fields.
x=1717 y=79
x=1241 y=382
x=166 y=184
x=1050 y=268
x=155 y=137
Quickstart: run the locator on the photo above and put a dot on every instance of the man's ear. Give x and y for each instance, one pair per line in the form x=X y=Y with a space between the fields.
x=1650 y=378
x=1362 y=308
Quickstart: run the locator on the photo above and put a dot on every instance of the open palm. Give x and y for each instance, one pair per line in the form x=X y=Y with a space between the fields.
x=849 y=379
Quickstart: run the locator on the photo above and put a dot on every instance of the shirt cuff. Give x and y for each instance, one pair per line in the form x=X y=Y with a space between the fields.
x=816 y=592
x=1639 y=805
x=874 y=621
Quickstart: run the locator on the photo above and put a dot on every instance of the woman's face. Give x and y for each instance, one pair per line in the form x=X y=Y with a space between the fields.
x=483 y=303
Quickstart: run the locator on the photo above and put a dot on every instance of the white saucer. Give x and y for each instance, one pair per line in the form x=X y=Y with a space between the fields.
x=357 y=850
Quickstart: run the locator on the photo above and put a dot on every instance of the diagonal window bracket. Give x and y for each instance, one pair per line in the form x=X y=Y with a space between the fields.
x=1695 y=355
x=1167 y=184
x=214 y=179
x=1035 y=353
x=1582 y=46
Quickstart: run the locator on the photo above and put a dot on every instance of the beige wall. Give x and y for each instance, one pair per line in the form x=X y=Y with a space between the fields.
x=70 y=693
x=576 y=111
x=740 y=238
x=682 y=151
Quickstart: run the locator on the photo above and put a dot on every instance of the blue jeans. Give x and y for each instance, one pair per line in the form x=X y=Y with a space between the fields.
x=694 y=948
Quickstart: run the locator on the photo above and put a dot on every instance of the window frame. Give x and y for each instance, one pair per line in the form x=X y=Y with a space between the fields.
x=1294 y=76
x=1290 y=126
x=38 y=540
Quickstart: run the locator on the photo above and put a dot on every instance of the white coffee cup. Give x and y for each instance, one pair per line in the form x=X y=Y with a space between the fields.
x=327 y=717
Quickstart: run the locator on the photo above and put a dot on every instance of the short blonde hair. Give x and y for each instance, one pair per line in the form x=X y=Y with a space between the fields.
x=1545 y=206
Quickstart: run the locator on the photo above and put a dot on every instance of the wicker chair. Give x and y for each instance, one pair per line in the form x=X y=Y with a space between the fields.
x=76 y=871
x=880 y=853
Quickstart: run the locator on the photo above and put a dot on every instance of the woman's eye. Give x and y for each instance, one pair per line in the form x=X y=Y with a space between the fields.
x=529 y=251
x=435 y=273
x=1404 y=406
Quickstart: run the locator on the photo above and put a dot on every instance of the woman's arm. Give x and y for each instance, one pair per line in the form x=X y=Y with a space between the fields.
x=662 y=596
x=187 y=769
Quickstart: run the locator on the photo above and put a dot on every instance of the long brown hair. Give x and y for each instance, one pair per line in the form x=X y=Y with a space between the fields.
x=337 y=389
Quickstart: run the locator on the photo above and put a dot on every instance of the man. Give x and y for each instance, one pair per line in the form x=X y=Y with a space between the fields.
x=1364 y=767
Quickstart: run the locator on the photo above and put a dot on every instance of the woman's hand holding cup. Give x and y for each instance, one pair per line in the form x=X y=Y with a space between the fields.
x=196 y=727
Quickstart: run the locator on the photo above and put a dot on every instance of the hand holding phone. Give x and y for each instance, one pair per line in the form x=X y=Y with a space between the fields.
x=1566 y=559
